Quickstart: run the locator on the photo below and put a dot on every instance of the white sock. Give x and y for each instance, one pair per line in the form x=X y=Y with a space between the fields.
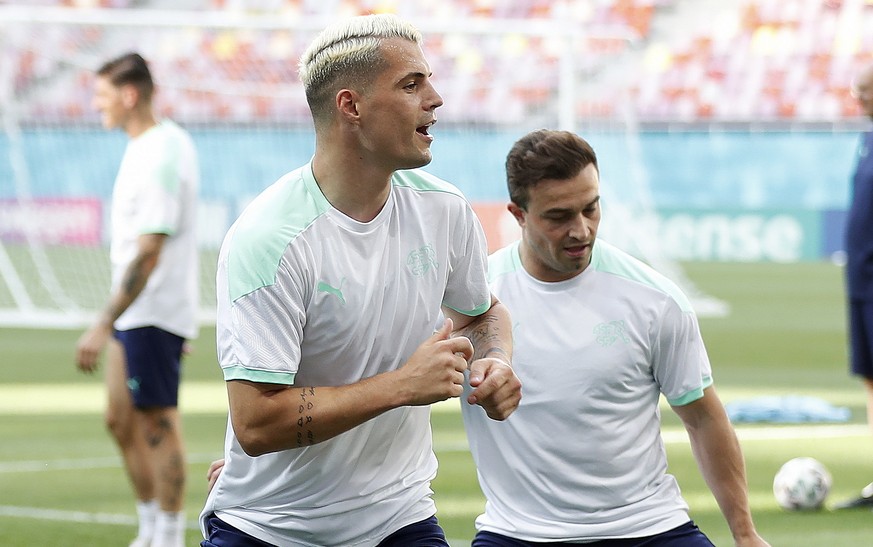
x=146 y=511
x=169 y=529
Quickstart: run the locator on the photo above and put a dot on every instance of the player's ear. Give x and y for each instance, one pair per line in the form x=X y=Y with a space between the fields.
x=516 y=212
x=347 y=105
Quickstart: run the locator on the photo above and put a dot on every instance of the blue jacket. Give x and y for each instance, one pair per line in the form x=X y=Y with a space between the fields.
x=859 y=227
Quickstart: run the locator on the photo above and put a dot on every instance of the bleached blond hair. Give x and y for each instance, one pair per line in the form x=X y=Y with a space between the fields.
x=348 y=54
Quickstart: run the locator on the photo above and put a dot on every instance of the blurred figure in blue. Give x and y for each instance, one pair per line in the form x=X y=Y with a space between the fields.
x=859 y=265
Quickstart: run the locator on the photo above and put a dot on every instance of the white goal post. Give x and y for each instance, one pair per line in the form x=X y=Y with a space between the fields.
x=230 y=78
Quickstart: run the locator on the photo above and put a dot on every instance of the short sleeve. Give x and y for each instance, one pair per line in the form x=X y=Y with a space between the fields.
x=467 y=289
x=260 y=333
x=680 y=362
x=159 y=196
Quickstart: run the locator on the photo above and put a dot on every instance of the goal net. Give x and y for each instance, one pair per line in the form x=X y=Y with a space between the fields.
x=230 y=78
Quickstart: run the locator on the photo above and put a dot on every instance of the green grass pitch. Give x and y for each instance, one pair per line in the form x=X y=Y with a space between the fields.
x=61 y=482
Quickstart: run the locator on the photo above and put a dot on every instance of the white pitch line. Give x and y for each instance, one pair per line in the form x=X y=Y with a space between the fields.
x=67 y=516
x=83 y=517
x=31 y=466
x=744 y=433
x=784 y=432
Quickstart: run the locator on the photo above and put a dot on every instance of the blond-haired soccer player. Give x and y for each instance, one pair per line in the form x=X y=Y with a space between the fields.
x=329 y=287
x=153 y=306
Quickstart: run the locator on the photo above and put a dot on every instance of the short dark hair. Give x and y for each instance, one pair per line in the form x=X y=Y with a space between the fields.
x=130 y=69
x=545 y=154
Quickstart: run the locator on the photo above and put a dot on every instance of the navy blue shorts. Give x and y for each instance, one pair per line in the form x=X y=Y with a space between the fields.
x=861 y=337
x=222 y=534
x=153 y=358
x=687 y=535
x=426 y=533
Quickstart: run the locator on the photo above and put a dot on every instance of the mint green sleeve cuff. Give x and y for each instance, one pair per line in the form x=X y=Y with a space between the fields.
x=692 y=395
x=238 y=372
x=476 y=312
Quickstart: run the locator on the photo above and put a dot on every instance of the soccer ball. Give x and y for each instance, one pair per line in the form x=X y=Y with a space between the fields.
x=801 y=484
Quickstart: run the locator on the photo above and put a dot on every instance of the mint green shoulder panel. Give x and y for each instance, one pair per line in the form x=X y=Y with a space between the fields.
x=266 y=227
x=609 y=259
x=503 y=261
x=423 y=181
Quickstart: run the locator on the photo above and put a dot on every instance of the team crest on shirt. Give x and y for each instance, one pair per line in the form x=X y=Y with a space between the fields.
x=421 y=261
x=610 y=332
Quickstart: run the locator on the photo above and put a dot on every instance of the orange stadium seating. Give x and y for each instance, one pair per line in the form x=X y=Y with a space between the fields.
x=743 y=61
x=770 y=59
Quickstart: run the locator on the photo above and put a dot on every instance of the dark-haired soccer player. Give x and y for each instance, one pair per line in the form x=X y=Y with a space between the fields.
x=598 y=337
x=153 y=306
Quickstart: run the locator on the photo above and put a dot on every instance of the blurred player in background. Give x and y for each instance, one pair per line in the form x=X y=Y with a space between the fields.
x=598 y=337
x=329 y=287
x=859 y=265
x=153 y=306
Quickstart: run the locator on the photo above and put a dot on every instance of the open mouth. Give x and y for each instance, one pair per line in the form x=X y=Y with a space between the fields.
x=423 y=130
x=576 y=250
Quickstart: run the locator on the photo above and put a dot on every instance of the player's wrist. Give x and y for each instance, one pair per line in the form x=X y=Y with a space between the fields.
x=498 y=354
x=104 y=322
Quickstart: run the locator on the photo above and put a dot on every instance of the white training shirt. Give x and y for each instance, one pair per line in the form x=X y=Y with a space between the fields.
x=310 y=297
x=582 y=458
x=155 y=192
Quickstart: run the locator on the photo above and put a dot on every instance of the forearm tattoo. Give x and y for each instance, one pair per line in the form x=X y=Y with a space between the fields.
x=305 y=434
x=131 y=285
x=484 y=334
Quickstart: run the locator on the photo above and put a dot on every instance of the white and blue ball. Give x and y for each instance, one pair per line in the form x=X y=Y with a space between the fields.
x=802 y=484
